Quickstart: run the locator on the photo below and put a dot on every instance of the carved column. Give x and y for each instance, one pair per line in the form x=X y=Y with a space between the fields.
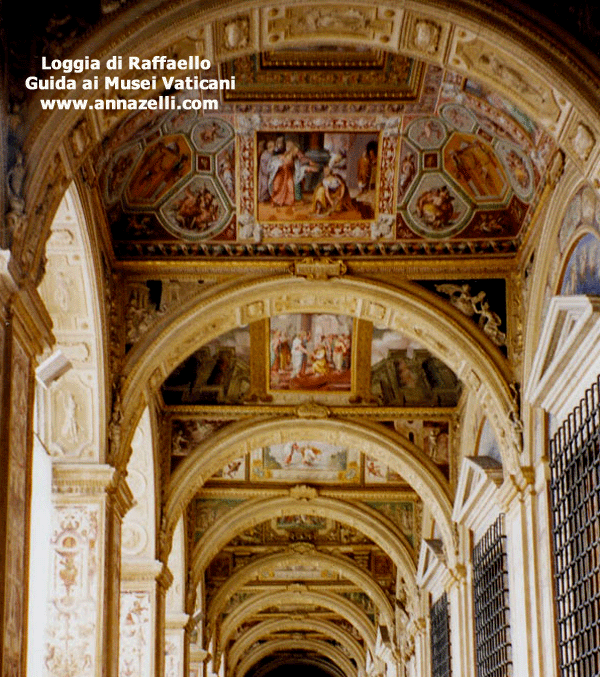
x=83 y=612
x=24 y=330
x=163 y=582
x=138 y=613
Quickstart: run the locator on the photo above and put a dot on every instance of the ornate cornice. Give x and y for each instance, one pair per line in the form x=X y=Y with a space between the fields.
x=79 y=479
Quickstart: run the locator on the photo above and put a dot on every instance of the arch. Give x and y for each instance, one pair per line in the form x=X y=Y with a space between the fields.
x=346 y=568
x=371 y=523
x=407 y=459
x=313 y=625
x=344 y=608
x=319 y=647
x=72 y=410
x=138 y=529
x=405 y=308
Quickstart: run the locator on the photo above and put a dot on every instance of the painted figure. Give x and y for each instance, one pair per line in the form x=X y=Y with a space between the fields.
x=434 y=207
x=263 y=172
x=331 y=195
x=299 y=353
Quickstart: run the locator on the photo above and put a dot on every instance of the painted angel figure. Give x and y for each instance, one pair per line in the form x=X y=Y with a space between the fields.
x=461 y=298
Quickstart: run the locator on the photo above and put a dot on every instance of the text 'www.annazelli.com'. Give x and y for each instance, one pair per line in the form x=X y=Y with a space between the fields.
x=160 y=103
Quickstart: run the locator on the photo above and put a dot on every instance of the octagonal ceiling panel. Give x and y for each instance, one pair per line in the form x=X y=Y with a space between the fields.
x=161 y=167
x=475 y=167
x=427 y=133
x=211 y=134
x=197 y=210
x=436 y=209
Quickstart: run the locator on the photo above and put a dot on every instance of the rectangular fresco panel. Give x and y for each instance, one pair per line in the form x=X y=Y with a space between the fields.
x=377 y=472
x=233 y=471
x=316 y=176
x=403 y=373
x=217 y=373
x=310 y=352
x=305 y=461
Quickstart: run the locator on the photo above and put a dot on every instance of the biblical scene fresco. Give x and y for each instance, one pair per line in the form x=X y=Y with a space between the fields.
x=300 y=528
x=217 y=373
x=187 y=434
x=295 y=572
x=206 y=511
x=305 y=461
x=582 y=271
x=316 y=176
x=310 y=352
x=433 y=437
x=403 y=373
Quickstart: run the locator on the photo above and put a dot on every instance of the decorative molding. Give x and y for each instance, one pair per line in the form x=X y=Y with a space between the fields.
x=312 y=409
x=432 y=570
x=134 y=571
x=82 y=479
x=318 y=268
x=302 y=492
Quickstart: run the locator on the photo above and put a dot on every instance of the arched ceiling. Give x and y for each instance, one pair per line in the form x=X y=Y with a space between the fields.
x=429 y=161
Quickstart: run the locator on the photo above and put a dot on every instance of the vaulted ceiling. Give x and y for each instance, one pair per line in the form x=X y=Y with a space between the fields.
x=289 y=541
x=321 y=444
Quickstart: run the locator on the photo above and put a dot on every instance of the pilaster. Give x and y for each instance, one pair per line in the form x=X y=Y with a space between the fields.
x=89 y=504
x=25 y=329
x=175 y=639
x=460 y=601
x=137 y=617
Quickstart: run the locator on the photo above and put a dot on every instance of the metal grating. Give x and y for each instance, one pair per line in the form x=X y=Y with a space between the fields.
x=575 y=499
x=490 y=596
x=440 y=638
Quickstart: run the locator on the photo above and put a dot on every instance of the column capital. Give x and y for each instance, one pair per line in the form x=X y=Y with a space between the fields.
x=88 y=479
x=176 y=621
x=458 y=575
x=140 y=570
x=516 y=487
x=24 y=308
x=82 y=479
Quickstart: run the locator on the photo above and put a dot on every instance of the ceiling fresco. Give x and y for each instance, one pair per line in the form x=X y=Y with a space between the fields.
x=301 y=354
x=444 y=162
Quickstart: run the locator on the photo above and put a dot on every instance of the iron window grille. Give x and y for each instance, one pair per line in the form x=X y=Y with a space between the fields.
x=490 y=597
x=575 y=509
x=440 y=638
